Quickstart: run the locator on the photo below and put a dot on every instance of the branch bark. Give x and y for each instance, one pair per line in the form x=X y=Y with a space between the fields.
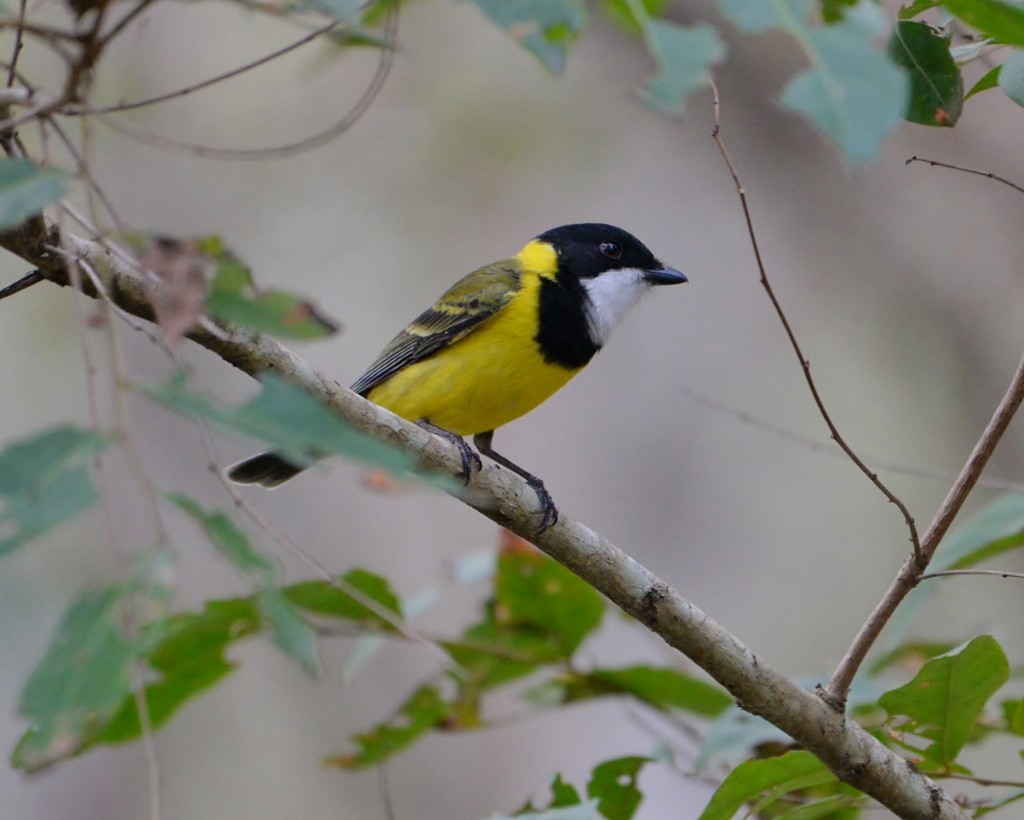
x=848 y=750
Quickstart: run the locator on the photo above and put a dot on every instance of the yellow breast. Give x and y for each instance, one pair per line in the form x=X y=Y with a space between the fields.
x=485 y=380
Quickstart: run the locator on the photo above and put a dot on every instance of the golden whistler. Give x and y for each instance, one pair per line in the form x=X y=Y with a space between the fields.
x=500 y=341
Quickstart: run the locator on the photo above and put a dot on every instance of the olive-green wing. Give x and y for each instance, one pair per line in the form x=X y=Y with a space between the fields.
x=458 y=312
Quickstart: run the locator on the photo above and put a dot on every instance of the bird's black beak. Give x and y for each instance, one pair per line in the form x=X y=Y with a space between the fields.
x=664 y=276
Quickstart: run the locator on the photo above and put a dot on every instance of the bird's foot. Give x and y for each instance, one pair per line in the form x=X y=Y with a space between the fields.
x=470 y=460
x=549 y=512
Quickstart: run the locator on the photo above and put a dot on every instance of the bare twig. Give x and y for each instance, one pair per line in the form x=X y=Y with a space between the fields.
x=26 y=281
x=190 y=89
x=19 y=33
x=821 y=446
x=343 y=124
x=986 y=174
x=990 y=572
x=910 y=573
x=805 y=363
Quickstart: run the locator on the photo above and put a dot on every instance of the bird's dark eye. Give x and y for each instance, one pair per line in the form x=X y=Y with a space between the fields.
x=613 y=250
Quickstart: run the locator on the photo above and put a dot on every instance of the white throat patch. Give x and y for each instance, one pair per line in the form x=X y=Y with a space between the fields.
x=610 y=295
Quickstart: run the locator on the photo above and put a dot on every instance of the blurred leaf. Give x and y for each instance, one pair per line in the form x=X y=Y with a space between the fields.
x=662 y=688
x=620 y=12
x=734 y=736
x=79 y=683
x=853 y=94
x=188 y=659
x=563 y=794
x=535 y=591
x=613 y=783
x=25 y=189
x=290 y=631
x=1013 y=715
x=777 y=775
x=228 y=539
x=999 y=804
x=325 y=599
x=912 y=655
x=936 y=87
x=757 y=17
x=945 y=699
x=423 y=711
x=1002 y=21
x=998 y=527
x=684 y=54
x=43 y=481
x=543 y=27
x=989 y=80
x=917 y=7
x=832 y=11
x=1011 y=77
x=285 y=417
x=493 y=654
x=233 y=299
x=338 y=9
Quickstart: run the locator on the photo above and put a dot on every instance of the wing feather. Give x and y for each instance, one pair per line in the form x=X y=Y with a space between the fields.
x=459 y=311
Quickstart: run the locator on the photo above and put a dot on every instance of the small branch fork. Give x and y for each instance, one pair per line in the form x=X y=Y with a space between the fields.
x=913 y=569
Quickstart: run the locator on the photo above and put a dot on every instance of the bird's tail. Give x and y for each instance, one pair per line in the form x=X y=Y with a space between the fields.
x=268 y=469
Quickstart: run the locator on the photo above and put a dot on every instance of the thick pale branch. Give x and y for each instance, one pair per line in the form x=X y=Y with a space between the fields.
x=853 y=754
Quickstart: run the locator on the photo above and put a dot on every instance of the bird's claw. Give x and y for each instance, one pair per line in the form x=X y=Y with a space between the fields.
x=549 y=512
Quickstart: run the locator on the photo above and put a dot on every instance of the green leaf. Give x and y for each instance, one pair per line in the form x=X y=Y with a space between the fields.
x=544 y=27
x=43 y=482
x=228 y=539
x=25 y=189
x=80 y=682
x=999 y=804
x=1002 y=21
x=988 y=81
x=285 y=417
x=833 y=807
x=832 y=11
x=233 y=299
x=662 y=688
x=620 y=13
x=563 y=794
x=776 y=775
x=1013 y=714
x=532 y=590
x=613 y=783
x=852 y=93
x=422 y=712
x=1011 y=77
x=944 y=700
x=292 y=634
x=936 y=86
x=684 y=54
x=188 y=658
x=327 y=600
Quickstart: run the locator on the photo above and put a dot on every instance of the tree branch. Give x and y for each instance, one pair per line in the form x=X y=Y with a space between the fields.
x=910 y=573
x=848 y=750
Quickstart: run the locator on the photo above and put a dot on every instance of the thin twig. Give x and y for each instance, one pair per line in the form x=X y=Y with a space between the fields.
x=821 y=446
x=992 y=572
x=351 y=117
x=805 y=363
x=19 y=33
x=910 y=573
x=986 y=174
x=189 y=89
x=26 y=281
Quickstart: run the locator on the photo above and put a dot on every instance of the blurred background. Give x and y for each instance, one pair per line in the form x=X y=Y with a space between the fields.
x=903 y=284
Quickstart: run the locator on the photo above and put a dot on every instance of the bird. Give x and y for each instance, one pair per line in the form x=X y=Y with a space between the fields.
x=499 y=342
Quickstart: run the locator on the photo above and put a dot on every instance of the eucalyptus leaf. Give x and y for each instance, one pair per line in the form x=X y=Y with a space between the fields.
x=1001 y=21
x=1011 y=77
x=684 y=55
x=936 y=86
x=545 y=28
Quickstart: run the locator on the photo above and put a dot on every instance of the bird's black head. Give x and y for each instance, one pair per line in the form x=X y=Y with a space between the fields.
x=591 y=248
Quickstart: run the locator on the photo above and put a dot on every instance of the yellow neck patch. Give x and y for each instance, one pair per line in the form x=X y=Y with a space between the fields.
x=539 y=258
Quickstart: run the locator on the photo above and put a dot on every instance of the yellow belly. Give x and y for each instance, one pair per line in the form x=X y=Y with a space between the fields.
x=492 y=376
